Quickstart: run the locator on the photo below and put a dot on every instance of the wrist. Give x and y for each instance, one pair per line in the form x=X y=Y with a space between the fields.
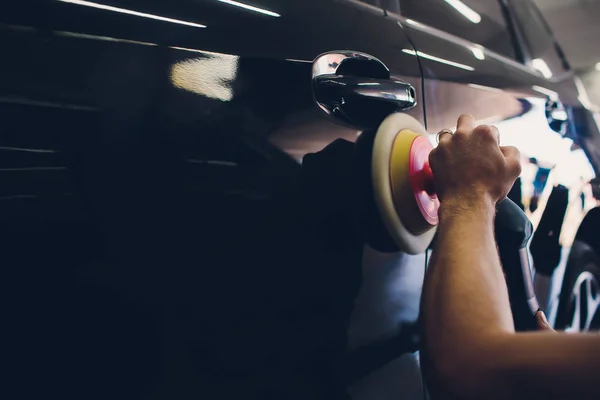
x=479 y=206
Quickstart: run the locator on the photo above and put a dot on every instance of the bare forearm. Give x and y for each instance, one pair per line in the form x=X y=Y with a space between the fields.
x=470 y=345
x=465 y=291
x=465 y=299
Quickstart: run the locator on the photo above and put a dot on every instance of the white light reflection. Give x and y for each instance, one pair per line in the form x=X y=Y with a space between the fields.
x=438 y=59
x=251 y=8
x=210 y=76
x=102 y=38
x=44 y=151
x=131 y=12
x=478 y=53
x=18 y=28
x=550 y=93
x=560 y=115
x=487 y=88
x=298 y=61
x=186 y=49
x=598 y=67
x=465 y=10
x=540 y=65
x=41 y=103
x=583 y=96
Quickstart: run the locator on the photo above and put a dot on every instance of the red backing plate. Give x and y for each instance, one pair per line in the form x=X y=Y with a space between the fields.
x=421 y=179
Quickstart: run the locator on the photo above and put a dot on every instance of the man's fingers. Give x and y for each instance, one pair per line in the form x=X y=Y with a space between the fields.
x=444 y=136
x=496 y=132
x=542 y=322
x=491 y=133
x=513 y=159
x=465 y=123
x=511 y=152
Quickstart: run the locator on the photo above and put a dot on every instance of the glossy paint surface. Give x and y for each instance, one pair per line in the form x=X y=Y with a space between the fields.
x=163 y=235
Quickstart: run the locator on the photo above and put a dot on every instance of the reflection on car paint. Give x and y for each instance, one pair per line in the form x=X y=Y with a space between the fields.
x=465 y=11
x=211 y=76
x=103 y=38
x=550 y=93
x=250 y=8
x=131 y=12
x=438 y=59
x=540 y=65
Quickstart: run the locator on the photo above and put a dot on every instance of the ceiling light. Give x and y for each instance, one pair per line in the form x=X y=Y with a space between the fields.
x=598 y=67
x=131 y=12
x=251 y=8
x=465 y=10
x=541 y=66
x=438 y=59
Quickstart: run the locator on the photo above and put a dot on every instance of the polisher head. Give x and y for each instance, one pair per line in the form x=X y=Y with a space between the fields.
x=403 y=182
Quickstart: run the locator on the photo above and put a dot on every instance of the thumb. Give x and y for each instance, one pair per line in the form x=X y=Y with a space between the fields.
x=542 y=322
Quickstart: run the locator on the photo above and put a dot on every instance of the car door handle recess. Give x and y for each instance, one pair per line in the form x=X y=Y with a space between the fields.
x=357 y=89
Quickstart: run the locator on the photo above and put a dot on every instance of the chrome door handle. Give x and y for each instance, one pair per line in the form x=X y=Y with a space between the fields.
x=357 y=89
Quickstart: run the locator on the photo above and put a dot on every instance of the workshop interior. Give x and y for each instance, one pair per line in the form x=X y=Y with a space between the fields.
x=219 y=199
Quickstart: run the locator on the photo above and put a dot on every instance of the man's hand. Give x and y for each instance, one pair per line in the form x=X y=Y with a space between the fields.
x=469 y=347
x=470 y=166
x=542 y=322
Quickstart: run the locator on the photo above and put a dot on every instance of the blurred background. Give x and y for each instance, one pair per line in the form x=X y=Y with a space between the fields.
x=575 y=25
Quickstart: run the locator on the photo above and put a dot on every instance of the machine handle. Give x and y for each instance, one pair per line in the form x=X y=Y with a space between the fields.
x=513 y=232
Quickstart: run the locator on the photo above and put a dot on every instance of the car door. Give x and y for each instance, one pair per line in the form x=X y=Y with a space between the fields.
x=162 y=234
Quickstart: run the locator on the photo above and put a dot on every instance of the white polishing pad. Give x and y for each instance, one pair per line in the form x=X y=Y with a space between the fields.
x=382 y=187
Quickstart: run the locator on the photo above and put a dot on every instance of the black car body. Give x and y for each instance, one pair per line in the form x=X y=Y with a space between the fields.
x=180 y=220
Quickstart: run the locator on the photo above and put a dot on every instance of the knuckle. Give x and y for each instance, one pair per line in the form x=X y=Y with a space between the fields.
x=487 y=132
x=515 y=152
x=461 y=133
x=514 y=165
x=518 y=168
x=512 y=152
